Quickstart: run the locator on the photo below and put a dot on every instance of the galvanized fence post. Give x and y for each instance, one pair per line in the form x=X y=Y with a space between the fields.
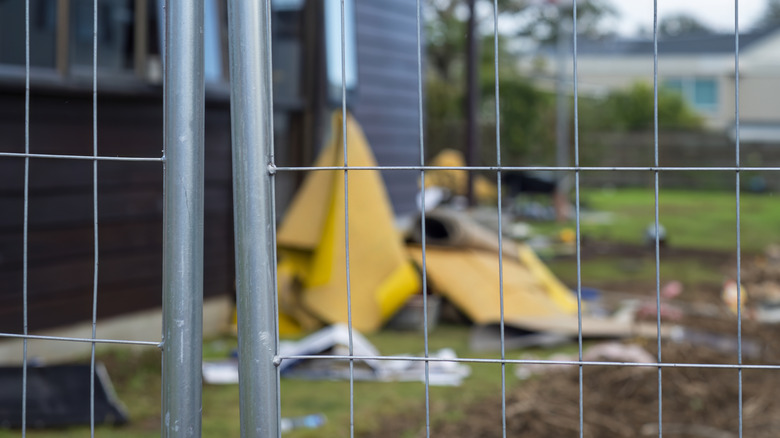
x=251 y=117
x=183 y=223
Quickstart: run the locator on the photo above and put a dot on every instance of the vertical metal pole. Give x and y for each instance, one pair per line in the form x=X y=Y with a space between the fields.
x=740 y=405
x=656 y=188
x=26 y=226
x=183 y=219
x=95 y=234
x=497 y=112
x=251 y=115
x=577 y=217
x=421 y=132
x=472 y=97
x=562 y=97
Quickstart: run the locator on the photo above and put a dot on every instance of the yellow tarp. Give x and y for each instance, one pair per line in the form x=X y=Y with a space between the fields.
x=311 y=241
x=465 y=237
x=469 y=278
x=533 y=298
x=556 y=290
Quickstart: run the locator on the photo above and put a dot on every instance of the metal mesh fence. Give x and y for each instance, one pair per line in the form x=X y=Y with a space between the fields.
x=265 y=412
x=255 y=170
x=182 y=164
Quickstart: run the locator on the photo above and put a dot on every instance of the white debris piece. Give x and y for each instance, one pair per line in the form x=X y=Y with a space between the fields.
x=331 y=341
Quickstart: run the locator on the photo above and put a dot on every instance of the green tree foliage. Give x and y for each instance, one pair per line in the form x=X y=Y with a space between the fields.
x=526 y=117
x=446 y=31
x=771 y=15
x=534 y=20
x=527 y=114
x=446 y=41
x=541 y=22
x=631 y=109
x=523 y=109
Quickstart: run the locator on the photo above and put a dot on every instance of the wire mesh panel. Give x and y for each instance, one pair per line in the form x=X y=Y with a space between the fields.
x=357 y=274
x=63 y=53
x=257 y=283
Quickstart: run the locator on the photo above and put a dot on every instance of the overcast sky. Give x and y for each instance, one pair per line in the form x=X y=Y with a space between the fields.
x=718 y=14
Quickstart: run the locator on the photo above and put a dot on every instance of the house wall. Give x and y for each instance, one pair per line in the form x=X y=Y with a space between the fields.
x=598 y=75
x=60 y=240
x=601 y=75
x=387 y=104
x=763 y=55
x=759 y=78
x=759 y=98
x=760 y=82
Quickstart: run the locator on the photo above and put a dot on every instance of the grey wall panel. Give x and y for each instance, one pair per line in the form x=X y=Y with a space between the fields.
x=387 y=104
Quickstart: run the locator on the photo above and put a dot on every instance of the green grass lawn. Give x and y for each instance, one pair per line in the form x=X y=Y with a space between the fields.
x=611 y=273
x=136 y=378
x=695 y=220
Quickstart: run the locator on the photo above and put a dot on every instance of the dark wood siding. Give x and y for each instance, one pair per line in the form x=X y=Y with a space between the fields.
x=387 y=104
x=60 y=242
x=130 y=194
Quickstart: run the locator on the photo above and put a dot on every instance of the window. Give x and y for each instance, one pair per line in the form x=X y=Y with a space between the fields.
x=213 y=56
x=43 y=30
x=706 y=93
x=333 y=49
x=212 y=48
x=114 y=38
x=129 y=37
x=701 y=93
x=61 y=35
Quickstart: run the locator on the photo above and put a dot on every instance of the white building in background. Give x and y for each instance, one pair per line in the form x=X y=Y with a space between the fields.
x=700 y=66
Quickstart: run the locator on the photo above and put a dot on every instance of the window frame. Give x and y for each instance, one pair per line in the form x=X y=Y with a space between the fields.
x=64 y=72
x=688 y=90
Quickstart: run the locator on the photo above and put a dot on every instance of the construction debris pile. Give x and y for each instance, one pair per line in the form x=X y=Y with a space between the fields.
x=383 y=269
x=459 y=257
x=335 y=341
x=513 y=301
x=761 y=280
x=621 y=401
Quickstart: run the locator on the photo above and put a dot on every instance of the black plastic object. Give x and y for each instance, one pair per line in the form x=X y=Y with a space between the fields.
x=57 y=396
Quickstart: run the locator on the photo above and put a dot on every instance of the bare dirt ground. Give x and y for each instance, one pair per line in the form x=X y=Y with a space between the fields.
x=619 y=401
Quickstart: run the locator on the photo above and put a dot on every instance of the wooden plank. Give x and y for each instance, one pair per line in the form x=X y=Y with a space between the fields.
x=75 y=305
x=55 y=246
x=68 y=123
x=68 y=174
x=402 y=8
x=380 y=17
x=45 y=280
x=73 y=209
x=378 y=34
x=60 y=280
x=52 y=245
x=389 y=81
x=76 y=208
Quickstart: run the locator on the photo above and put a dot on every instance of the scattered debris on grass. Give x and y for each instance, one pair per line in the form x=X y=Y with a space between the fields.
x=761 y=280
x=313 y=421
x=58 y=396
x=334 y=341
x=622 y=401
